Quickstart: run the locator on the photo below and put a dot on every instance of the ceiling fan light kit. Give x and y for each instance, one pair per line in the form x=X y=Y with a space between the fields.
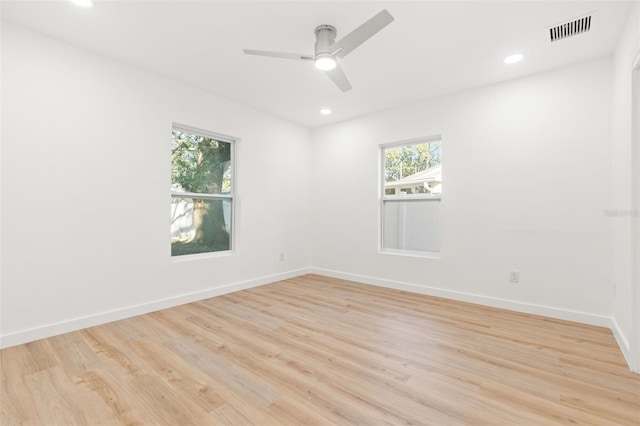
x=328 y=50
x=325 y=62
x=325 y=38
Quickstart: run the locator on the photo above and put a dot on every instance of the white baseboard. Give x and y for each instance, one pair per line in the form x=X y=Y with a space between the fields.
x=622 y=340
x=48 y=330
x=511 y=305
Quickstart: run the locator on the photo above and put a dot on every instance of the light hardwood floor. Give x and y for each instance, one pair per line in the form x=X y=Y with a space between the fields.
x=315 y=350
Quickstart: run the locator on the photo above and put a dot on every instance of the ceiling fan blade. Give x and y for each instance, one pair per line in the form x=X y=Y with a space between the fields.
x=339 y=78
x=361 y=34
x=282 y=55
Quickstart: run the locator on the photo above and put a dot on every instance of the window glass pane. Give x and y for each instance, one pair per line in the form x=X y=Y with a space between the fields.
x=412 y=225
x=200 y=226
x=200 y=164
x=413 y=169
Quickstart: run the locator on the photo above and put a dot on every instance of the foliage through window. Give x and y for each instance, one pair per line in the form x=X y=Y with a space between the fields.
x=411 y=191
x=201 y=192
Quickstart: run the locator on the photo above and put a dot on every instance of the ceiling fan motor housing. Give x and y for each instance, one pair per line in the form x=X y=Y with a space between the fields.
x=325 y=37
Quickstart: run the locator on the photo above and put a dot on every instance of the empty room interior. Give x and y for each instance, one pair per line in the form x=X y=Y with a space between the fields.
x=320 y=212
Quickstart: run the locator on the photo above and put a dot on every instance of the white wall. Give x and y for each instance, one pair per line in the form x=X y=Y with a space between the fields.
x=86 y=184
x=526 y=178
x=626 y=51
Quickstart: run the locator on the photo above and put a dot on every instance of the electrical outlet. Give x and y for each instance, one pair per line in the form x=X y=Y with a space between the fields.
x=514 y=276
x=281 y=257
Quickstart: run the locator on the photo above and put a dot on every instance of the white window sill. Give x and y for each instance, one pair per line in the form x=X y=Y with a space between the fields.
x=412 y=253
x=201 y=256
x=411 y=197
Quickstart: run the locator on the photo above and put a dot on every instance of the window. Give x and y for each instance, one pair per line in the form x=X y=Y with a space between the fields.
x=201 y=192
x=410 y=196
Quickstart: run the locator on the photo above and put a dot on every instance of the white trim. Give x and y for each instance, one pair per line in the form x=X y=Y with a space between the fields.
x=634 y=349
x=201 y=256
x=511 y=305
x=621 y=339
x=412 y=253
x=202 y=132
x=415 y=141
x=232 y=197
x=413 y=197
x=383 y=197
x=233 y=215
x=48 y=330
x=201 y=196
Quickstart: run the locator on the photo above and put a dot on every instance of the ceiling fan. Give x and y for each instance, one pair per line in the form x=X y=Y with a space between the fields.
x=327 y=49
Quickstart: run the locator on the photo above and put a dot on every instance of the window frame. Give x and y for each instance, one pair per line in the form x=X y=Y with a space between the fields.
x=384 y=198
x=206 y=196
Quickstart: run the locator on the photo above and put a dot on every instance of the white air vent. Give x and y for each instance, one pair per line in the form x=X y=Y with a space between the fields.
x=570 y=28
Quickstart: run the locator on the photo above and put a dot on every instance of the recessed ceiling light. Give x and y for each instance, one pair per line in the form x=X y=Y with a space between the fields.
x=512 y=59
x=325 y=111
x=82 y=3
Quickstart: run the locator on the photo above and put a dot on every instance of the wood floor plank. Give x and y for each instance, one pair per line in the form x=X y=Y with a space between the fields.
x=114 y=400
x=321 y=351
x=17 y=407
x=73 y=353
x=49 y=392
x=189 y=380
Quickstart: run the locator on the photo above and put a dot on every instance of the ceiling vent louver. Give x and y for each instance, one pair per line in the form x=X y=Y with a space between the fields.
x=570 y=28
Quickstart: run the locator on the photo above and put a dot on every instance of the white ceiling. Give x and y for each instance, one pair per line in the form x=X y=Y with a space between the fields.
x=431 y=49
